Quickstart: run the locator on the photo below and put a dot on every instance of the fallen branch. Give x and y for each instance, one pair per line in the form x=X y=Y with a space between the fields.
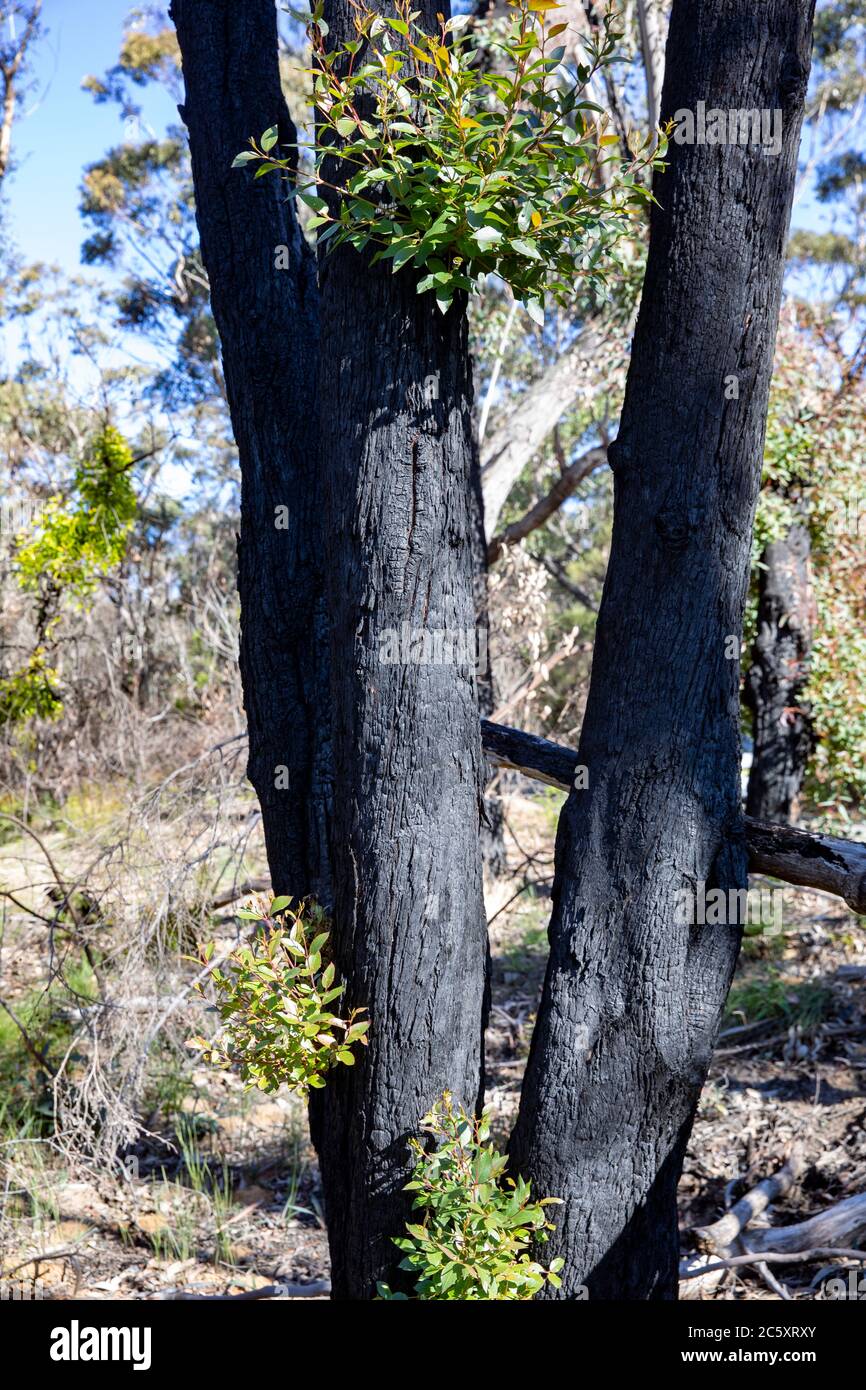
x=720 y=1236
x=317 y=1290
x=724 y=1238
x=843 y=1223
x=813 y=861
x=767 y=1040
x=821 y=1252
x=794 y=856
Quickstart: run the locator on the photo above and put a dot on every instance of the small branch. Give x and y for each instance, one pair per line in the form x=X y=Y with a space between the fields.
x=42 y=1258
x=506 y=451
x=240 y=890
x=544 y=508
x=36 y=1053
x=557 y=573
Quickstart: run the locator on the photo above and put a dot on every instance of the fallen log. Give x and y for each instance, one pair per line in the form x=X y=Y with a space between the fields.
x=812 y=861
x=780 y=851
x=721 y=1236
x=841 y=1225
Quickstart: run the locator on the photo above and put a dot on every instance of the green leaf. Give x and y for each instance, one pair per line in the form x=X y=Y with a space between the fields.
x=526 y=248
x=486 y=236
x=269 y=139
x=313 y=201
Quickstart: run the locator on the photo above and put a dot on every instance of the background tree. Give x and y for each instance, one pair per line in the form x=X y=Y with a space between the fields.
x=19 y=30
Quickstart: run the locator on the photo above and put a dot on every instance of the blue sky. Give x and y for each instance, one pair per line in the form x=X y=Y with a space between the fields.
x=60 y=131
x=64 y=129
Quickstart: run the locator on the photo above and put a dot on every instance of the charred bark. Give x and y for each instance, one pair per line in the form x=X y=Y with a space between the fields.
x=633 y=995
x=774 y=688
x=409 y=932
x=267 y=322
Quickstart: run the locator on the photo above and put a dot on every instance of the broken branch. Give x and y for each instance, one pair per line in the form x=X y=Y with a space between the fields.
x=794 y=856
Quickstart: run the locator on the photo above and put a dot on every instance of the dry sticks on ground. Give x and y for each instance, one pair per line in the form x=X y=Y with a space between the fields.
x=729 y=1243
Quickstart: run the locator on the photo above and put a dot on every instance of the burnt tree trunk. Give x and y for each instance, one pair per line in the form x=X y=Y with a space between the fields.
x=781 y=722
x=409 y=933
x=267 y=322
x=633 y=995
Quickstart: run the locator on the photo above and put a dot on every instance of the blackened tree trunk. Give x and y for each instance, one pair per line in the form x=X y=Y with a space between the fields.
x=409 y=933
x=776 y=681
x=633 y=994
x=267 y=322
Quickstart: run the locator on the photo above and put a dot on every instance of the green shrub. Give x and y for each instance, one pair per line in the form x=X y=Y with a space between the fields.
x=477 y=1225
x=80 y=539
x=771 y=996
x=273 y=999
x=32 y=692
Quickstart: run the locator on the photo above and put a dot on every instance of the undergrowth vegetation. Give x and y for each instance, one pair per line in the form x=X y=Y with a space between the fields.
x=274 y=999
x=472 y=1241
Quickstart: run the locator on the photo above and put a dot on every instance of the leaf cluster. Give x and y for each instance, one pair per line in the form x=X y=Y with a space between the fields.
x=275 y=998
x=31 y=692
x=460 y=170
x=85 y=536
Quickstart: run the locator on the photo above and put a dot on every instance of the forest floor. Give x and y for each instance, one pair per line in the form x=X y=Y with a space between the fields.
x=222 y=1194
